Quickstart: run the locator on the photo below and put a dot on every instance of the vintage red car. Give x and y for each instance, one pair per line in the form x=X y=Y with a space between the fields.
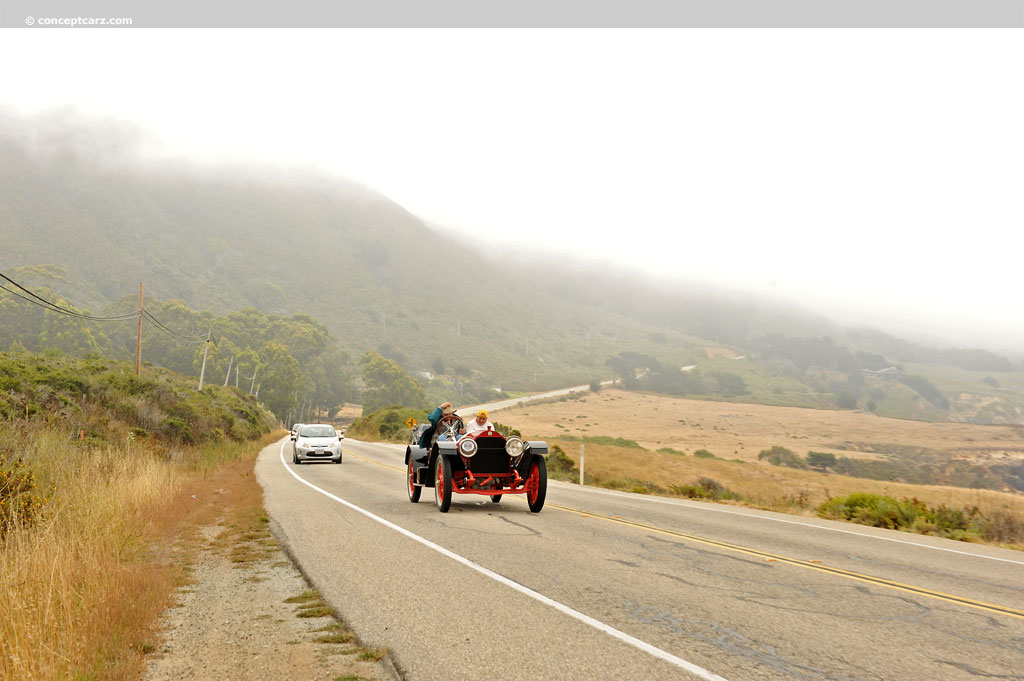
x=486 y=463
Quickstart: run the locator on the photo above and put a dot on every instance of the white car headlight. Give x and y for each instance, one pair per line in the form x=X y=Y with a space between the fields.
x=467 y=447
x=514 y=446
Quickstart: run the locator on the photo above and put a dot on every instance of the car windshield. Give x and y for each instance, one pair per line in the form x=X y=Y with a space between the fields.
x=317 y=431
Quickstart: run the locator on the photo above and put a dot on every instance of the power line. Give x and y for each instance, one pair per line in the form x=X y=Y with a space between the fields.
x=53 y=307
x=38 y=300
x=217 y=348
x=163 y=327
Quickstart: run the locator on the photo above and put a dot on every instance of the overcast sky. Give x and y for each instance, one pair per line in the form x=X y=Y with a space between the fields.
x=868 y=174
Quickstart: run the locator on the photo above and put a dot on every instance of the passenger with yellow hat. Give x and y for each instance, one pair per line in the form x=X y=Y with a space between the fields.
x=479 y=424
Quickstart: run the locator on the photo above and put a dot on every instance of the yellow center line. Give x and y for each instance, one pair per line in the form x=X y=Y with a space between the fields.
x=839 y=572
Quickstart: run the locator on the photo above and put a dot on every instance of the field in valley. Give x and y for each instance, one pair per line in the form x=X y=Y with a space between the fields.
x=737 y=433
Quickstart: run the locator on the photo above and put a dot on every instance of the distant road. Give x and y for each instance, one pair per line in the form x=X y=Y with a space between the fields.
x=604 y=585
x=465 y=412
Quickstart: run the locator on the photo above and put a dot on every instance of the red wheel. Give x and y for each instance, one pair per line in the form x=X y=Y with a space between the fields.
x=413 y=490
x=537 y=484
x=443 y=484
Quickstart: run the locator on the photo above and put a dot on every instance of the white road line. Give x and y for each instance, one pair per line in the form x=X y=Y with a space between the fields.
x=712 y=509
x=561 y=607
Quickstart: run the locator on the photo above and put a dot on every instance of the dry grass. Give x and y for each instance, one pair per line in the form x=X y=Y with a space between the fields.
x=766 y=486
x=741 y=431
x=81 y=592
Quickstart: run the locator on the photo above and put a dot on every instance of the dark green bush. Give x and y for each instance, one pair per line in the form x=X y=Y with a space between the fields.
x=912 y=515
x=821 y=459
x=706 y=488
x=780 y=456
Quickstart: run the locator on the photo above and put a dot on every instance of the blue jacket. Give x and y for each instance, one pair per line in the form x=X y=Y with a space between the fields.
x=434 y=418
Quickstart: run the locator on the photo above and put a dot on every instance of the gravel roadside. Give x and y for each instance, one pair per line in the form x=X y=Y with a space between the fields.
x=249 y=615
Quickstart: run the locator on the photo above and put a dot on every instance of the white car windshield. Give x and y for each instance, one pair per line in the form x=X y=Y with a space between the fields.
x=317 y=431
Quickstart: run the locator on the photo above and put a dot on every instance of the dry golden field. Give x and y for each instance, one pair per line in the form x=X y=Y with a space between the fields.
x=741 y=431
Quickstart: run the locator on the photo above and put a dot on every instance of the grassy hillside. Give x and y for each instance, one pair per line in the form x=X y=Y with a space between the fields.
x=101 y=400
x=103 y=478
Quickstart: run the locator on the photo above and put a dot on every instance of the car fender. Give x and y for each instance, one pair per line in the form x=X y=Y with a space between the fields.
x=415 y=454
x=536 y=447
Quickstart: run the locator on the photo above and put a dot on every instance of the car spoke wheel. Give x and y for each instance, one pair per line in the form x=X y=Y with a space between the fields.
x=443 y=484
x=413 y=490
x=537 y=484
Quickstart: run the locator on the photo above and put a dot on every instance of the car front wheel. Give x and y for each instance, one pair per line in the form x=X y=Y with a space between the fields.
x=443 y=484
x=537 y=484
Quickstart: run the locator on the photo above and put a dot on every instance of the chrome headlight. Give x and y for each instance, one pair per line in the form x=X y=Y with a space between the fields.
x=514 y=446
x=467 y=447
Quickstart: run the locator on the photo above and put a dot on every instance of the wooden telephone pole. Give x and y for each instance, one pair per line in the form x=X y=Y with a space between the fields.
x=138 y=343
x=206 y=351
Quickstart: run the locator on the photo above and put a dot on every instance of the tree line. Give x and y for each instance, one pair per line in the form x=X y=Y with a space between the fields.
x=294 y=363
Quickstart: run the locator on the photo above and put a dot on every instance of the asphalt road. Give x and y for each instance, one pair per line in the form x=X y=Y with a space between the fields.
x=470 y=410
x=606 y=585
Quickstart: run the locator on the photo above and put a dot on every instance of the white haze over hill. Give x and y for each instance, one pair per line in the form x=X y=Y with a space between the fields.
x=873 y=176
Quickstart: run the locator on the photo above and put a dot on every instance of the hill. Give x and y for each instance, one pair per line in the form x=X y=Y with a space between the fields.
x=374 y=274
x=465 y=316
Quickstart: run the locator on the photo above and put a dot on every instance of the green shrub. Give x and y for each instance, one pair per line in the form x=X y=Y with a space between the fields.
x=507 y=431
x=561 y=466
x=780 y=456
x=644 y=487
x=703 y=454
x=706 y=488
x=912 y=515
x=689 y=491
x=821 y=459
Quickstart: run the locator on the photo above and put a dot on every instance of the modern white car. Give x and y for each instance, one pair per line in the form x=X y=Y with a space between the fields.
x=316 y=442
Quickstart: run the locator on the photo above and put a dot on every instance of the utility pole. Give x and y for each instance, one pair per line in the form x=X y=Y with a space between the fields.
x=206 y=350
x=228 y=374
x=138 y=343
